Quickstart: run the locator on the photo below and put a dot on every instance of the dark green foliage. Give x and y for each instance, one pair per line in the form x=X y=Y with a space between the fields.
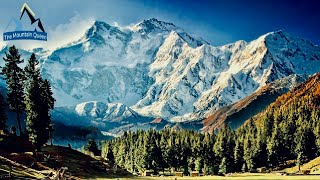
x=183 y=150
x=27 y=91
x=224 y=150
x=92 y=147
x=39 y=103
x=223 y=168
x=14 y=77
x=109 y=153
x=238 y=155
x=199 y=164
x=288 y=129
x=3 y=115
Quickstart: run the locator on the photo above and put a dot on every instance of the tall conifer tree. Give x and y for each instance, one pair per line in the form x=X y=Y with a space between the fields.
x=14 y=77
x=39 y=102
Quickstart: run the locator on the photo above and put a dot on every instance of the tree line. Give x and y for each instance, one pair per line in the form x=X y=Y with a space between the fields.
x=27 y=92
x=288 y=129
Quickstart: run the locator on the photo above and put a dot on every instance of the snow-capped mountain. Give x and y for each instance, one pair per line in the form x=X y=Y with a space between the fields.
x=160 y=71
x=95 y=112
x=189 y=82
x=107 y=64
x=112 y=118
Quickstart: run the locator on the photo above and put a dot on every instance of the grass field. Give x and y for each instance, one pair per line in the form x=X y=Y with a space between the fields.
x=235 y=176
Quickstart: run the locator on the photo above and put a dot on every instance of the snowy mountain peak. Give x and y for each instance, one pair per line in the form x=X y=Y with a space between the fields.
x=93 y=108
x=100 y=32
x=106 y=111
x=159 y=70
x=154 y=25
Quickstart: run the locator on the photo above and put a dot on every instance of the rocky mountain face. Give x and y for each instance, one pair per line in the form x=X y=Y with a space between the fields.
x=236 y=114
x=108 y=63
x=190 y=83
x=155 y=69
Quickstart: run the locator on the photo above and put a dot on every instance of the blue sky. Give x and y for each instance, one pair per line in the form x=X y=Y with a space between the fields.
x=217 y=21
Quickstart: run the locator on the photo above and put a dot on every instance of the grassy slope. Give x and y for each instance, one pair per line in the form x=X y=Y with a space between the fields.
x=24 y=165
x=313 y=165
x=79 y=164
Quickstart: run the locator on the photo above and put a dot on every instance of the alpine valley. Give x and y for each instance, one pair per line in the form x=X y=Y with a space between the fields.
x=154 y=74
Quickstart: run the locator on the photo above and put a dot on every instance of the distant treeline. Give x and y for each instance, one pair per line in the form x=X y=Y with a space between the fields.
x=289 y=129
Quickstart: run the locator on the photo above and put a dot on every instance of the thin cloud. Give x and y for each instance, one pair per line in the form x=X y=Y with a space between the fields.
x=68 y=32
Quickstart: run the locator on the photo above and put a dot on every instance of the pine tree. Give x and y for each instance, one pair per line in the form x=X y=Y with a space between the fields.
x=92 y=146
x=207 y=154
x=107 y=152
x=300 y=145
x=47 y=95
x=3 y=115
x=110 y=155
x=46 y=105
x=273 y=147
x=14 y=77
x=172 y=155
x=238 y=155
x=36 y=127
x=305 y=143
x=250 y=149
x=140 y=154
x=261 y=153
x=223 y=166
x=199 y=164
x=154 y=156
x=244 y=168
x=224 y=148
x=164 y=151
x=316 y=127
x=248 y=154
x=39 y=102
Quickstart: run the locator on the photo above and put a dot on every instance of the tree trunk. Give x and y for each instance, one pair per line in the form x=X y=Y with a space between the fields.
x=19 y=123
x=205 y=169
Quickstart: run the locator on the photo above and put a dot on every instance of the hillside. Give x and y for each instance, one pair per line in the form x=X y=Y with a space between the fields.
x=288 y=129
x=306 y=94
x=16 y=154
x=236 y=114
x=313 y=166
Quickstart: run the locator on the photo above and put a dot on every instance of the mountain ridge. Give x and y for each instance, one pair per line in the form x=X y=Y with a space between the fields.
x=157 y=71
x=236 y=114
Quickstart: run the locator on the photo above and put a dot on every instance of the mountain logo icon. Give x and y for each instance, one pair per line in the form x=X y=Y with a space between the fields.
x=31 y=15
x=29 y=18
